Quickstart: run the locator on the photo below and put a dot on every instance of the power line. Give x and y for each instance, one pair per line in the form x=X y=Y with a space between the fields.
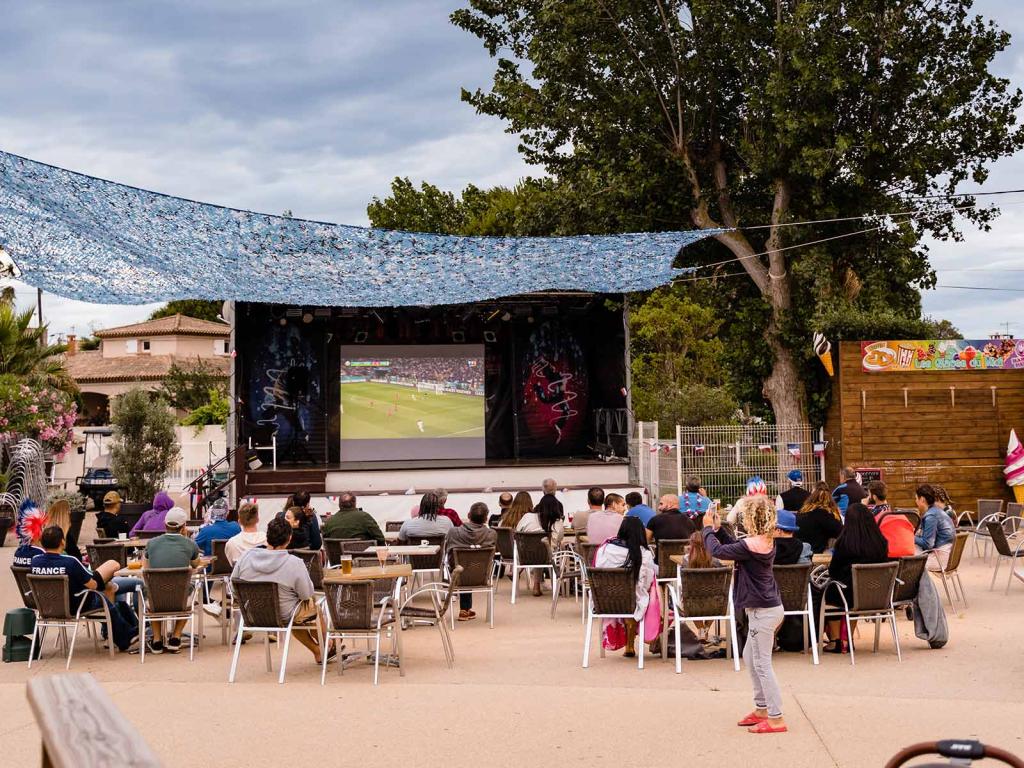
x=981 y=288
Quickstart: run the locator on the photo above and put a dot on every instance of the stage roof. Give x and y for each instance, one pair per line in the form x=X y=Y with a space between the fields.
x=95 y=240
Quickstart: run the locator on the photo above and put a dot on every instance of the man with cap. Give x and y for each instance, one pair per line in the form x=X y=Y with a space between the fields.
x=219 y=527
x=789 y=550
x=173 y=549
x=794 y=498
x=110 y=519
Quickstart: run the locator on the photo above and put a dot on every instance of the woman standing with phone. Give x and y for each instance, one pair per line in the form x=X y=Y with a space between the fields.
x=757 y=594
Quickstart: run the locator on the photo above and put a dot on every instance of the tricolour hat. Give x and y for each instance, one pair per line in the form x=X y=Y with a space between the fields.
x=756 y=486
x=111 y=498
x=785 y=520
x=176 y=518
x=796 y=477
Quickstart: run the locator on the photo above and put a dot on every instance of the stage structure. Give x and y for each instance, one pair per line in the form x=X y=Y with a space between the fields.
x=375 y=359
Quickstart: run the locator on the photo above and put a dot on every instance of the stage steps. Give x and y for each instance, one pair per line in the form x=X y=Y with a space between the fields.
x=285 y=481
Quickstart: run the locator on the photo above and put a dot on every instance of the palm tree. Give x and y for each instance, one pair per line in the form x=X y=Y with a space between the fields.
x=24 y=353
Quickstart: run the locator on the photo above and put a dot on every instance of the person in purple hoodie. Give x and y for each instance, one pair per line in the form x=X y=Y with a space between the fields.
x=153 y=519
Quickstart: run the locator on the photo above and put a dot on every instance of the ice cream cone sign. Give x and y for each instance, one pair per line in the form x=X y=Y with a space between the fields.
x=823 y=349
x=1013 y=472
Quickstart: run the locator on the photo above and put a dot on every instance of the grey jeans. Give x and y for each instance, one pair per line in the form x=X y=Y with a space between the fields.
x=757 y=655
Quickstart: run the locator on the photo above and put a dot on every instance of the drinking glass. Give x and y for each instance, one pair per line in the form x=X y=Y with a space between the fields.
x=346 y=564
x=382 y=556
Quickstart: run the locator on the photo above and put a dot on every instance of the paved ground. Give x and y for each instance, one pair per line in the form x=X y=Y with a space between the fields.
x=518 y=696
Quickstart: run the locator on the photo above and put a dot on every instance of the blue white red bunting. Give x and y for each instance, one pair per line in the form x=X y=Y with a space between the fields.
x=699 y=449
x=793 y=449
x=819 y=450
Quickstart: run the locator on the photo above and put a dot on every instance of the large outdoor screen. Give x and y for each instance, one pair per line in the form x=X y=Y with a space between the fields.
x=412 y=402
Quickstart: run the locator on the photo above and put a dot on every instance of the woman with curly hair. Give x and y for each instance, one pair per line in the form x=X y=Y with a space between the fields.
x=757 y=594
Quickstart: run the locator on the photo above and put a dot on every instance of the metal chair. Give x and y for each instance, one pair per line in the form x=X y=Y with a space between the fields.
x=950 y=574
x=572 y=571
x=794 y=583
x=874 y=587
x=381 y=587
x=667 y=573
x=478 y=570
x=506 y=547
x=350 y=611
x=53 y=609
x=1004 y=550
x=21 y=579
x=908 y=579
x=531 y=552
x=259 y=611
x=989 y=510
x=441 y=598
x=101 y=553
x=612 y=596
x=167 y=595
x=704 y=594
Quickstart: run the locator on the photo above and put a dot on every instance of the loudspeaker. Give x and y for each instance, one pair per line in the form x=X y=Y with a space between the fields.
x=490 y=337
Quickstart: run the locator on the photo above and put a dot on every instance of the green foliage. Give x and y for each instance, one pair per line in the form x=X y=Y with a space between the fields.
x=188 y=386
x=74 y=499
x=24 y=355
x=32 y=408
x=677 y=358
x=680 y=113
x=145 y=444
x=214 y=411
x=941 y=329
x=202 y=309
x=88 y=344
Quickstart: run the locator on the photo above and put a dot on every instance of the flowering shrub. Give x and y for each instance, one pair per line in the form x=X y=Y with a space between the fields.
x=37 y=411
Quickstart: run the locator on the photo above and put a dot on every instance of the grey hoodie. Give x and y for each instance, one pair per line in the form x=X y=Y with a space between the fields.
x=277 y=565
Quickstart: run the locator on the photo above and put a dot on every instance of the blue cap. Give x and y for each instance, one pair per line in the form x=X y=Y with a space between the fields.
x=796 y=476
x=785 y=520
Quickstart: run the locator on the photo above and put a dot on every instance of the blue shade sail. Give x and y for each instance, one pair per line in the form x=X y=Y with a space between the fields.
x=95 y=240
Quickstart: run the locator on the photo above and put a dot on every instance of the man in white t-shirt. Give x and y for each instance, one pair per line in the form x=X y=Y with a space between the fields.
x=250 y=537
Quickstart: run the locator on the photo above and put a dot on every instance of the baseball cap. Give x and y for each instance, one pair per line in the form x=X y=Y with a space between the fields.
x=111 y=498
x=785 y=520
x=796 y=477
x=175 y=518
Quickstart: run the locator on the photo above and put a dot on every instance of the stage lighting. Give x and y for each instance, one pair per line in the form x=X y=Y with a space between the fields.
x=506 y=317
x=458 y=337
x=490 y=337
x=283 y=321
x=307 y=317
x=361 y=337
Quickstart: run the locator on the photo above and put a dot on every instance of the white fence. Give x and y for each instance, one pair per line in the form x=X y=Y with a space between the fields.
x=724 y=458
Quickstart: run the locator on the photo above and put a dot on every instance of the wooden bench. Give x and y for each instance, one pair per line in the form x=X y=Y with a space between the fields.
x=81 y=727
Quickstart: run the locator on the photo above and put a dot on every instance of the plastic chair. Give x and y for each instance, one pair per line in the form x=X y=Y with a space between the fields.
x=350 y=611
x=167 y=594
x=531 y=552
x=53 y=609
x=667 y=574
x=478 y=571
x=873 y=590
x=704 y=594
x=794 y=583
x=612 y=596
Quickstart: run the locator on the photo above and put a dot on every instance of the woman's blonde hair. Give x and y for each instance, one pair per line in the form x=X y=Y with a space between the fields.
x=522 y=505
x=59 y=514
x=759 y=516
x=821 y=498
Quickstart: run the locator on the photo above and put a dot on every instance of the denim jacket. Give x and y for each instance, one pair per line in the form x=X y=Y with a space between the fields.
x=936 y=529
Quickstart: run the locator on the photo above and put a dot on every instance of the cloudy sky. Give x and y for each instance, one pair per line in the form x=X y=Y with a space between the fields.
x=314 y=107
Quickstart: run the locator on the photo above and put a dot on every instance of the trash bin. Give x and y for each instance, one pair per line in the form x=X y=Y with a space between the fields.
x=18 y=626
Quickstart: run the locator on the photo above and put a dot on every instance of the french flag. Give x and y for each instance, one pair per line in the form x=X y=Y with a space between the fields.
x=794 y=450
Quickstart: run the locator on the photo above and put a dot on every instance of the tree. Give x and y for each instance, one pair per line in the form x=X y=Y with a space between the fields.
x=188 y=386
x=677 y=358
x=214 y=411
x=145 y=444
x=200 y=308
x=941 y=329
x=743 y=118
x=24 y=354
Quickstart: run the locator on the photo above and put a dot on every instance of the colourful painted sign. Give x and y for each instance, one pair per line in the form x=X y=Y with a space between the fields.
x=945 y=355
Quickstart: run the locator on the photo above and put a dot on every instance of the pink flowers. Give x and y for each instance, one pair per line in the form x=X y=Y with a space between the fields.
x=37 y=411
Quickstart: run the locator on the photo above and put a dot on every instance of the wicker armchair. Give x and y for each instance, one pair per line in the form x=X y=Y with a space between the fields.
x=311 y=557
x=704 y=594
x=794 y=582
x=351 y=611
x=908 y=579
x=101 y=553
x=423 y=564
x=874 y=586
x=587 y=551
x=53 y=600
x=381 y=587
x=950 y=575
x=531 y=552
x=148 y=534
x=1006 y=550
x=259 y=611
x=220 y=573
x=167 y=594
x=393 y=526
x=478 y=574
x=356 y=546
x=441 y=597
x=21 y=579
x=612 y=596
x=667 y=574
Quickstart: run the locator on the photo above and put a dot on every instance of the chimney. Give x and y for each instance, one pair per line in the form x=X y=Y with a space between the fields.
x=72 y=344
